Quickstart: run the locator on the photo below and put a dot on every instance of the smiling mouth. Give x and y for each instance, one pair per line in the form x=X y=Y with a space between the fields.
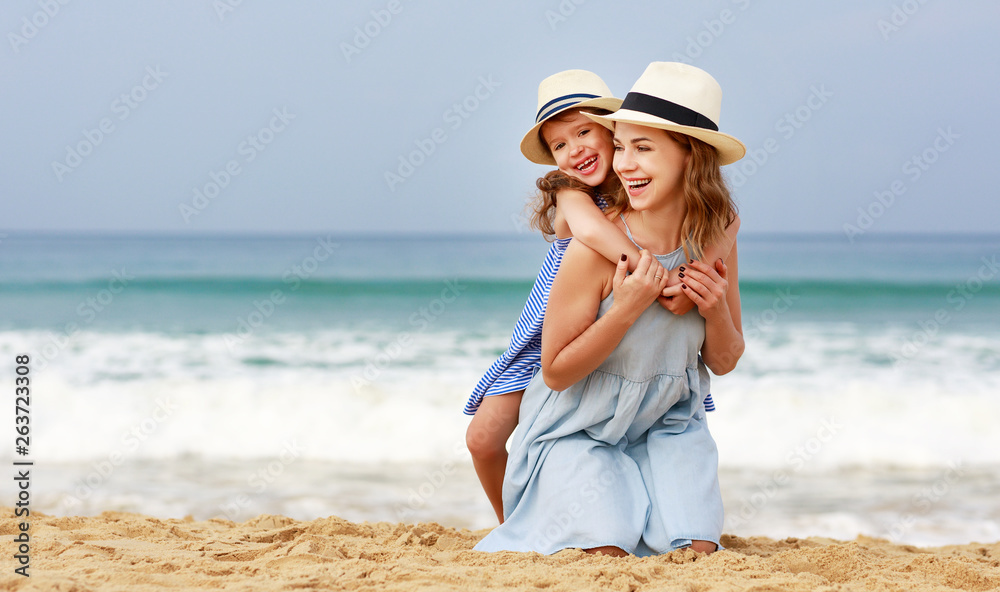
x=588 y=165
x=636 y=185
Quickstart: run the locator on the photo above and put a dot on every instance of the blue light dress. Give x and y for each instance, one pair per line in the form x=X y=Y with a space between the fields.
x=624 y=457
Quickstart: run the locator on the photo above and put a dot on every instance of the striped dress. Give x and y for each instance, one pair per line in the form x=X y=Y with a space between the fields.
x=514 y=369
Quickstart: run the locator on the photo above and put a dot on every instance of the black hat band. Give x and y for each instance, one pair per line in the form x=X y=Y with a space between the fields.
x=665 y=109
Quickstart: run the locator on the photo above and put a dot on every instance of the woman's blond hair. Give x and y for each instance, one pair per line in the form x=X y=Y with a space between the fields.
x=710 y=206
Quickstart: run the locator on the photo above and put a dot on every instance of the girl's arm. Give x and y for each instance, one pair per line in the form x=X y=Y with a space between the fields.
x=587 y=223
x=574 y=341
x=725 y=248
x=716 y=291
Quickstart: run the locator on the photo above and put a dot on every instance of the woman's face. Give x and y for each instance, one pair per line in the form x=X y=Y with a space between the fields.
x=650 y=165
x=582 y=148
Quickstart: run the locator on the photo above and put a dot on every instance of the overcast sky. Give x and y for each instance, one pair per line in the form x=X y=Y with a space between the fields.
x=400 y=116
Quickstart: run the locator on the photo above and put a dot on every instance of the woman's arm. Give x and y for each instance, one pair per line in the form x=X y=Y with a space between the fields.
x=716 y=291
x=574 y=340
x=587 y=223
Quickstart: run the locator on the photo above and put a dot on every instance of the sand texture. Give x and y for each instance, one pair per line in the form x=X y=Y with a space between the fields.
x=131 y=552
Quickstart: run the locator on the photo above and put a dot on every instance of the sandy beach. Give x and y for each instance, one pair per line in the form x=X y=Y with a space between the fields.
x=120 y=551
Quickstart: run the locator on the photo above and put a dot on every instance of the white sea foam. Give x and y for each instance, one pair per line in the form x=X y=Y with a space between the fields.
x=818 y=432
x=804 y=398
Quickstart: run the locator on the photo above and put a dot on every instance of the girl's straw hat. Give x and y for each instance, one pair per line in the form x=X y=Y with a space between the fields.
x=557 y=93
x=679 y=98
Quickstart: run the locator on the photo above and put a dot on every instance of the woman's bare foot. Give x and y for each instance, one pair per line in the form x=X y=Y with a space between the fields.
x=703 y=546
x=612 y=551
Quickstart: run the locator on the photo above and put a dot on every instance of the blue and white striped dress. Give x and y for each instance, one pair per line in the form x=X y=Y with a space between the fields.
x=514 y=369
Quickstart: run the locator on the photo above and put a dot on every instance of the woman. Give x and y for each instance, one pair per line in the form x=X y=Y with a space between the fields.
x=612 y=453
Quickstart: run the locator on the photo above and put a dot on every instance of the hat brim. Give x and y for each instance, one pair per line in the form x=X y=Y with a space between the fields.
x=729 y=148
x=532 y=146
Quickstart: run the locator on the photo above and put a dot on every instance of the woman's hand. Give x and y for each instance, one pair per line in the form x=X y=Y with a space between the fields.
x=634 y=293
x=674 y=298
x=706 y=286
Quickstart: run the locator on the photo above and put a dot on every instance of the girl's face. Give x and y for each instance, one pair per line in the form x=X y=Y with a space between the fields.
x=650 y=165
x=582 y=148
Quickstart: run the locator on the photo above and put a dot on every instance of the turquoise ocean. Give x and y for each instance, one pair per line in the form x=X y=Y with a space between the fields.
x=229 y=376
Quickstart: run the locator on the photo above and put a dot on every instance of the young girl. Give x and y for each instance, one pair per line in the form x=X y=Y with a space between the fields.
x=570 y=205
x=612 y=453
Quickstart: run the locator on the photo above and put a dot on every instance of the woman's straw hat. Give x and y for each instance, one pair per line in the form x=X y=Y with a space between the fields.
x=679 y=98
x=557 y=93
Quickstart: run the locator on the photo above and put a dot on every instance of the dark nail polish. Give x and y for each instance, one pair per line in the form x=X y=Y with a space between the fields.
x=681 y=274
x=684 y=286
x=691 y=261
x=624 y=257
x=681 y=268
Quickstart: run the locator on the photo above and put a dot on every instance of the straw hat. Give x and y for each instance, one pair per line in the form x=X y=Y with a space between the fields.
x=679 y=98
x=557 y=93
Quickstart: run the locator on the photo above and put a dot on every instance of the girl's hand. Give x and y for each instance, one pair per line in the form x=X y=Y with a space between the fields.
x=674 y=298
x=706 y=286
x=634 y=293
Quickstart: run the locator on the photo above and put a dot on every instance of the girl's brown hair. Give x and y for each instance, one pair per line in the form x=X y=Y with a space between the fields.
x=710 y=207
x=543 y=208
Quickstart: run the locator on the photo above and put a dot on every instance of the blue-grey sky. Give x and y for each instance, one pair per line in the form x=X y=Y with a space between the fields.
x=294 y=116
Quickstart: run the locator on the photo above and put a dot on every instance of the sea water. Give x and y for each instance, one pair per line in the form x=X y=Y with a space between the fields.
x=228 y=376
